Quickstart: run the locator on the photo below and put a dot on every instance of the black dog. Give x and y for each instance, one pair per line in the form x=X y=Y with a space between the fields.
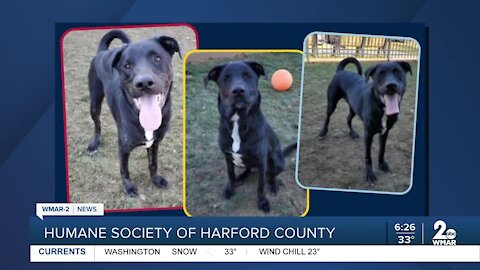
x=371 y=101
x=137 y=80
x=245 y=137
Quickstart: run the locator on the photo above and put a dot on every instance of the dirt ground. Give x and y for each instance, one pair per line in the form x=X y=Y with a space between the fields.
x=206 y=168
x=338 y=160
x=97 y=178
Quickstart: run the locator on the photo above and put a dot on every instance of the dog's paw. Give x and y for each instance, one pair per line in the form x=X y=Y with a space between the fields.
x=371 y=178
x=354 y=135
x=384 y=166
x=92 y=148
x=159 y=181
x=274 y=188
x=228 y=192
x=322 y=135
x=130 y=189
x=264 y=205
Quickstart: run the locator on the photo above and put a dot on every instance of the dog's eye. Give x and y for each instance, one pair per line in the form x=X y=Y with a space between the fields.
x=247 y=75
x=157 y=58
x=127 y=66
x=226 y=78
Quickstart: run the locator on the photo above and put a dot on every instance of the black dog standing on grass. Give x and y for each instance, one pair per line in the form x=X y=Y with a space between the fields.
x=371 y=101
x=245 y=137
x=137 y=80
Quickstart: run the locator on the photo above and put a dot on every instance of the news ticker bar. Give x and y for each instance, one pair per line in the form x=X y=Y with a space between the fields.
x=253 y=253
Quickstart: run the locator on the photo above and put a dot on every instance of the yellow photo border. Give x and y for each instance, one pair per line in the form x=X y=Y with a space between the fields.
x=307 y=197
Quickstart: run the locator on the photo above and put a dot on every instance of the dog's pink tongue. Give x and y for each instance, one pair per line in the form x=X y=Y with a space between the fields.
x=391 y=103
x=150 y=113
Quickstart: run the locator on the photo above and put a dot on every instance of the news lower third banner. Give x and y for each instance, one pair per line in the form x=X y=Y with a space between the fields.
x=144 y=238
x=148 y=230
x=107 y=238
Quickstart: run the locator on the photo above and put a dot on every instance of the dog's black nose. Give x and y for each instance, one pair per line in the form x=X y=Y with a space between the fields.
x=238 y=91
x=391 y=86
x=143 y=82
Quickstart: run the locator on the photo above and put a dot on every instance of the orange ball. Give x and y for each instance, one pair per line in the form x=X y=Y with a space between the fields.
x=282 y=80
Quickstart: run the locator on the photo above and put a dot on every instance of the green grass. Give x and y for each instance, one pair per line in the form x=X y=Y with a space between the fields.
x=338 y=161
x=206 y=169
x=97 y=178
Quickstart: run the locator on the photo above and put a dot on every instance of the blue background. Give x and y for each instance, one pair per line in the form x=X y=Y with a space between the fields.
x=27 y=139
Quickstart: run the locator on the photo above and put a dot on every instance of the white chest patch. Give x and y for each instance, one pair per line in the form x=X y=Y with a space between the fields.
x=384 y=123
x=149 y=137
x=237 y=158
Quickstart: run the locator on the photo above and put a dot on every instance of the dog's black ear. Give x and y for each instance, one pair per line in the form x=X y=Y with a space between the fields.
x=213 y=74
x=406 y=66
x=112 y=59
x=170 y=44
x=369 y=72
x=116 y=58
x=257 y=67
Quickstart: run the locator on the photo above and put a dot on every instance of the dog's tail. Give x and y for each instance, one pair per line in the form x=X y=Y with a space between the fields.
x=110 y=36
x=287 y=150
x=350 y=60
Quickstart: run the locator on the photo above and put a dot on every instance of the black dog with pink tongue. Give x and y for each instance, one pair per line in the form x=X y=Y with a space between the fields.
x=136 y=80
x=371 y=101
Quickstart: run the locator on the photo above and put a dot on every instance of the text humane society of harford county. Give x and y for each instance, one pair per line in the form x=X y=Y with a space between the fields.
x=188 y=232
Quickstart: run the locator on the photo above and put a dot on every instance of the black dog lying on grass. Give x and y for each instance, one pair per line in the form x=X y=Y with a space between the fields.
x=245 y=137
x=371 y=101
x=137 y=80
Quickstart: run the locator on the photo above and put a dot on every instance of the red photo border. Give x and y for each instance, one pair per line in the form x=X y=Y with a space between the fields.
x=64 y=103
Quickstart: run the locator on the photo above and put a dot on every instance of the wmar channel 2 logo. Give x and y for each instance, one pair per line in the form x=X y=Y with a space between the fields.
x=444 y=236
